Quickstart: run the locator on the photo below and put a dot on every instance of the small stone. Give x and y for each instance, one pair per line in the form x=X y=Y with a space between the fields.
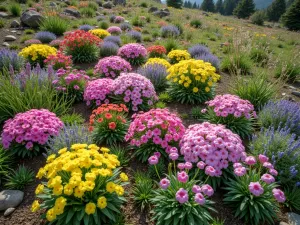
x=13 y=31
x=72 y=12
x=98 y=13
x=283 y=223
x=5 y=44
x=107 y=5
x=294 y=219
x=10 y=38
x=3 y=15
x=296 y=93
x=19 y=33
x=152 y=9
x=10 y=199
x=9 y=211
x=14 y=24
x=283 y=94
x=52 y=4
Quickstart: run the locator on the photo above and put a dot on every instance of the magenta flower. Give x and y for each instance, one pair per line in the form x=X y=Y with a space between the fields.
x=153 y=160
x=164 y=183
x=268 y=165
x=255 y=188
x=279 y=195
x=201 y=165
x=236 y=165
x=196 y=189
x=199 y=198
x=267 y=178
x=240 y=171
x=173 y=156
x=250 y=160
x=182 y=196
x=207 y=190
x=173 y=150
x=273 y=172
x=182 y=177
x=263 y=158
x=157 y=154
x=181 y=166
x=188 y=165
x=210 y=171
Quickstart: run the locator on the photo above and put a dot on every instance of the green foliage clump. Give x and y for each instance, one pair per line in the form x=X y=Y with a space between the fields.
x=292 y=198
x=208 y=6
x=237 y=64
x=171 y=44
x=74 y=118
x=196 y=23
x=6 y=161
x=275 y=10
x=2 y=23
x=291 y=19
x=288 y=70
x=142 y=190
x=244 y=9
x=175 y=3
x=87 y=12
x=122 y=153
x=54 y=24
x=258 y=18
x=136 y=21
x=19 y=179
x=103 y=25
x=15 y=9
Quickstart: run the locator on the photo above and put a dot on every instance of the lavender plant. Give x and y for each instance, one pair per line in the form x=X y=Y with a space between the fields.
x=135 y=35
x=114 y=39
x=198 y=50
x=108 y=48
x=283 y=149
x=45 y=36
x=170 y=31
x=281 y=113
x=86 y=27
x=69 y=135
x=212 y=59
x=10 y=59
x=125 y=26
x=157 y=74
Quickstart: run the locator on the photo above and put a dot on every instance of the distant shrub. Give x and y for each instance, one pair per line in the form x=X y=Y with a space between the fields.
x=108 y=48
x=119 y=19
x=93 y=5
x=54 y=24
x=198 y=50
x=86 y=27
x=29 y=31
x=171 y=44
x=180 y=27
x=32 y=41
x=236 y=64
x=258 y=18
x=136 y=21
x=88 y=12
x=170 y=31
x=114 y=30
x=259 y=56
x=144 y=5
x=125 y=26
x=103 y=25
x=288 y=70
x=15 y=9
x=2 y=23
x=137 y=36
x=45 y=36
x=114 y=39
x=196 y=23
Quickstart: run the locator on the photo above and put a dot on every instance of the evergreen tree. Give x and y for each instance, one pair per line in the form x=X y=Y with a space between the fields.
x=189 y=5
x=219 y=7
x=194 y=5
x=275 y=10
x=174 y=3
x=228 y=6
x=289 y=3
x=291 y=19
x=208 y=6
x=185 y=4
x=244 y=9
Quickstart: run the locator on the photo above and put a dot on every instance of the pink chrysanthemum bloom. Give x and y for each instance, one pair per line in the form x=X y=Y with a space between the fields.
x=164 y=183
x=263 y=158
x=240 y=171
x=267 y=178
x=196 y=189
x=278 y=195
x=182 y=177
x=153 y=160
x=256 y=189
x=199 y=198
x=207 y=190
x=182 y=196
x=250 y=160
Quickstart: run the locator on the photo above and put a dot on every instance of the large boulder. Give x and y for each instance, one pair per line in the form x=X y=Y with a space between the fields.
x=31 y=18
x=72 y=12
x=108 y=5
x=161 y=13
x=152 y=9
x=10 y=199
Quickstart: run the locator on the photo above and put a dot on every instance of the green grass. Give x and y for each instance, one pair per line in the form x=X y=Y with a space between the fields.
x=54 y=24
x=15 y=9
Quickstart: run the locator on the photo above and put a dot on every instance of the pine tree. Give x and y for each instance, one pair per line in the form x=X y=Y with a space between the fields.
x=291 y=19
x=289 y=3
x=276 y=10
x=189 y=5
x=219 y=7
x=174 y=3
x=185 y=4
x=194 y=5
x=208 y=6
x=228 y=6
x=244 y=9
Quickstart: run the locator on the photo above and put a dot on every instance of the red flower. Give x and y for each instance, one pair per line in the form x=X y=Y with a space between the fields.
x=100 y=120
x=112 y=125
x=91 y=128
x=108 y=116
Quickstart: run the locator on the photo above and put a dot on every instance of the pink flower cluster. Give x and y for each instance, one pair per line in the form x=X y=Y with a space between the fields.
x=212 y=146
x=135 y=90
x=224 y=105
x=119 y=19
x=97 y=91
x=132 y=51
x=158 y=127
x=32 y=41
x=112 y=66
x=74 y=80
x=32 y=127
x=114 y=30
x=59 y=60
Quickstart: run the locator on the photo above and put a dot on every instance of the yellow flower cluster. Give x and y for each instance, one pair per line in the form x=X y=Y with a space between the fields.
x=100 y=33
x=77 y=172
x=178 y=55
x=159 y=61
x=37 y=51
x=193 y=74
x=260 y=35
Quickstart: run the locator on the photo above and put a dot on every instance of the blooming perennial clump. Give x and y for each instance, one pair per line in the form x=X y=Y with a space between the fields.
x=10 y=59
x=134 y=53
x=73 y=178
x=156 y=130
x=108 y=123
x=32 y=41
x=134 y=90
x=45 y=36
x=55 y=43
x=212 y=145
x=71 y=83
x=59 y=60
x=114 y=30
x=176 y=56
x=97 y=91
x=114 y=39
x=100 y=33
x=255 y=182
x=112 y=67
x=156 y=51
x=37 y=53
x=192 y=81
x=28 y=131
x=81 y=45
x=108 y=48
x=169 y=31
x=119 y=19
x=158 y=61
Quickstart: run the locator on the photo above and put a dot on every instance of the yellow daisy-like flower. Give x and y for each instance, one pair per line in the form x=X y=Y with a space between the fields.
x=89 y=185
x=37 y=51
x=124 y=177
x=207 y=89
x=57 y=190
x=110 y=187
x=119 y=190
x=50 y=215
x=102 y=203
x=39 y=189
x=78 y=193
x=68 y=189
x=90 y=208
x=100 y=33
x=104 y=149
x=41 y=173
x=51 y=158
x=159 y=61
x=63 y=150
x=178 y=55
x=195 y=89
x=35 y=206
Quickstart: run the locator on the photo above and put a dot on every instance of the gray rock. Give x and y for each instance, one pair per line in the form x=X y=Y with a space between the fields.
x=53 y=4
x=99 y=2
x=119 y=2
x=31 y=18
x=294 y=219
x=9 y=211
x=10 y=199
x=100 y=18
x=125 y=11
x=98 y=13
x=14 y=24
x=72 y=12
x=161 y=13
x=5 y=44
x=166 y=10
x=296 y=93
x=283 y=223
x=108 y=5
x=152 y=9
x=3 y=15
x=67 y=2
x=10 y=38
